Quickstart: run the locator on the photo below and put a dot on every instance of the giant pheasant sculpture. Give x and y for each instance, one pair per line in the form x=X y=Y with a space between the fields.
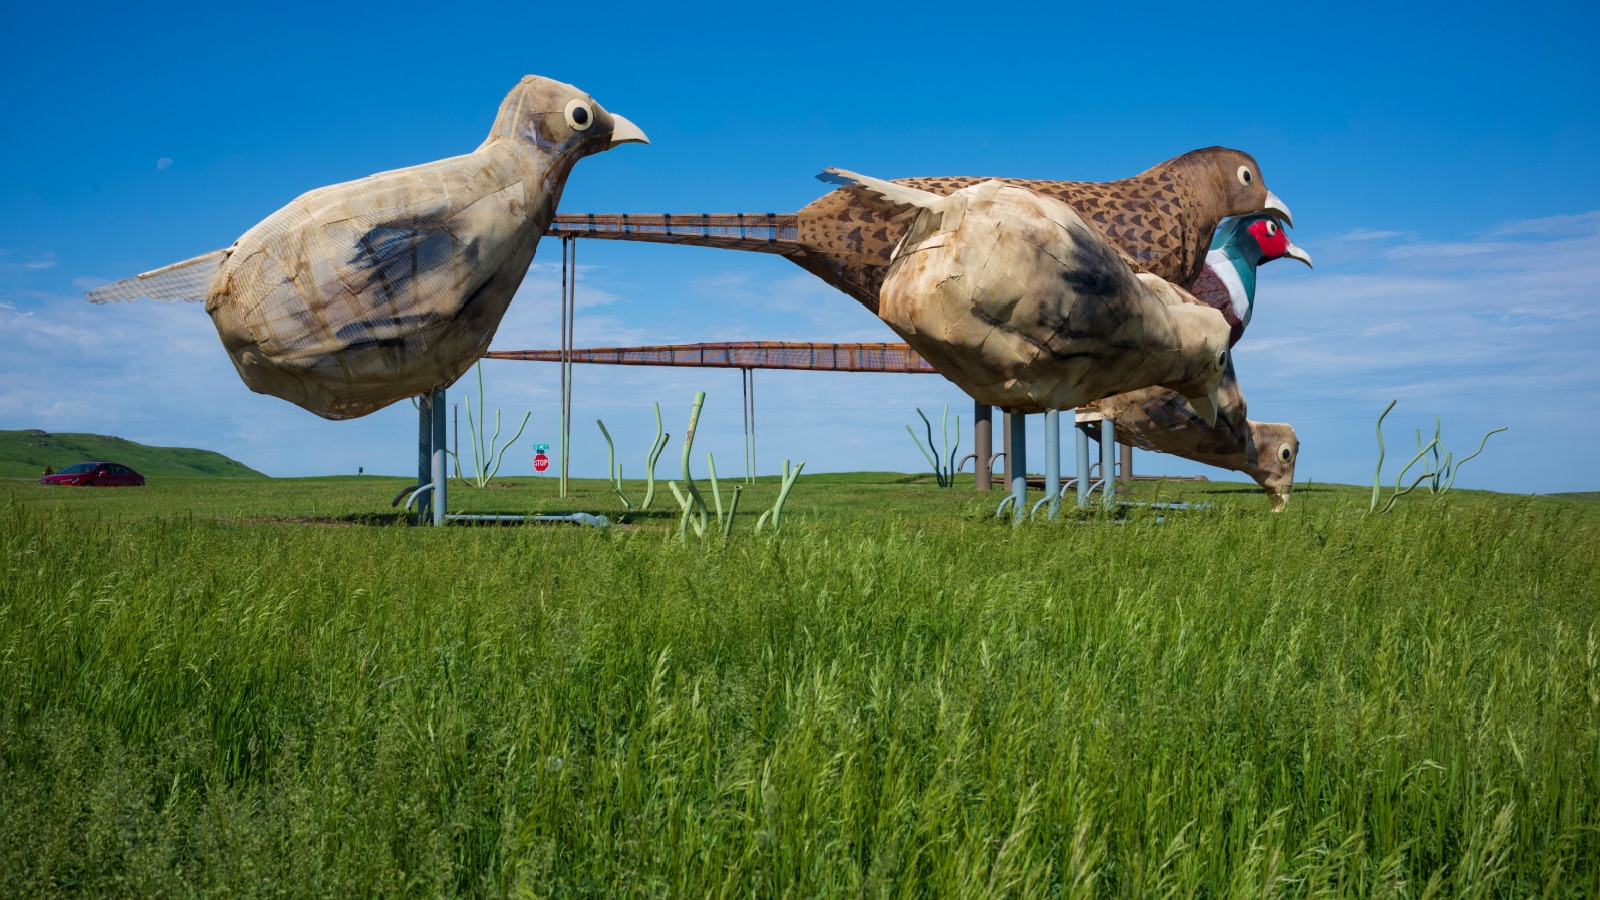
x=363 y=293
x=1162 y=219
x=1161 y=420
x=1012 y=296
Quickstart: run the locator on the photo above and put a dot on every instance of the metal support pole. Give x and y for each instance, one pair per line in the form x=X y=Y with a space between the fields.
x=753 y=466
x=1108 y=464
x=744 y=393
x=569 y=315
x=440 y=476
x=1082 y=436
x=1016 y=430
x=456 y=411
x=1052 y=460
x=1125 y=468
x=982 y=446
x=425 y=417
x=1005 y=429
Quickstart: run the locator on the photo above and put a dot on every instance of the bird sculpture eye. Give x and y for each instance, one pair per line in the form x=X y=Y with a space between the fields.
x=1245 y=177
x=1272 y=229
x=1222 y=359
x=1284 y=453
x=579 y=115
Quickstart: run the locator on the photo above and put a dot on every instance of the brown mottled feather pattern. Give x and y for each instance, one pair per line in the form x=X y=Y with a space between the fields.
x=1159 y=419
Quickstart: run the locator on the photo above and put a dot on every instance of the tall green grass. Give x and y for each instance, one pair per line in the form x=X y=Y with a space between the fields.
x=1320 y=703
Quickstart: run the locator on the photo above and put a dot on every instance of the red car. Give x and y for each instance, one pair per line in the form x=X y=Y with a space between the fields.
x=102 y=474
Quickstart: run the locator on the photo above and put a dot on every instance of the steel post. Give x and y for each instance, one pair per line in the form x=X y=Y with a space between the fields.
x=1005 y=430
x=1016 y=461
x=1108 y=463
x=425 y=418
x=1125 y=468
x=440 y=454
x=1052 y=459
x=1081 y=430
x=982 y=446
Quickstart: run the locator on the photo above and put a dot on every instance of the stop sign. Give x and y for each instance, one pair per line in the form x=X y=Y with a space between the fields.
x=540 y=462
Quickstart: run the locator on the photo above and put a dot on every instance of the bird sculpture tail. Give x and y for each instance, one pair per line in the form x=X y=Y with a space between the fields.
x=189 y=280
x=888 y=190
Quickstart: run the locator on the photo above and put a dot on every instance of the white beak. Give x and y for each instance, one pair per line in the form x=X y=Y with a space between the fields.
x=625 y=132
x=1297 y=253
x=1205 y=407
x=1279 y=207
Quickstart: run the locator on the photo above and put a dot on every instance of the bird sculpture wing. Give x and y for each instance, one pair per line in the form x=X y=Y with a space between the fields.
x=188 y=280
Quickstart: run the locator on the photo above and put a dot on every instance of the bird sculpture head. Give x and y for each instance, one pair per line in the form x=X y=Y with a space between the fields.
x=560 y=119
x=1275 y=449
x=1227 y=180
x=1256 y=239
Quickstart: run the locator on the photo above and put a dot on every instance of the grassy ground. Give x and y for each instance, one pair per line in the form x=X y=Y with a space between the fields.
x=274 y=687
x=25 y=454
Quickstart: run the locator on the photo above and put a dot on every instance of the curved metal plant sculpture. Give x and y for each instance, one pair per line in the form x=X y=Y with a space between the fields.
x=944 y=465
x=696 y=514
x=783 y=495
x=613 y=468
x=694 y=505
x=650 y=462
x=485 y=461
x=1439 y=467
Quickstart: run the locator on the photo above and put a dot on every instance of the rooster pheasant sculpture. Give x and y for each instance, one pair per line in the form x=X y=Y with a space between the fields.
x=1159 y=419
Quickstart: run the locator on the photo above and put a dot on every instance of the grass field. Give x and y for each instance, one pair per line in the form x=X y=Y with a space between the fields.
x=254 y=687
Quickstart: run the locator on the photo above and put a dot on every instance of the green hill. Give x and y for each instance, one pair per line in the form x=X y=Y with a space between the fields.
x=24 y=454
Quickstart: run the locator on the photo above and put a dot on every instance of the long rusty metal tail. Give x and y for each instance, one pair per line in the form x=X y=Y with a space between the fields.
x=754 y=232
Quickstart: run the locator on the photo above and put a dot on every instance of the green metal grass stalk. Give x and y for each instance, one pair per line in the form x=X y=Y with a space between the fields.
x=613 y=468
x=695 y=506
x=783 y=495
x=1377 y=474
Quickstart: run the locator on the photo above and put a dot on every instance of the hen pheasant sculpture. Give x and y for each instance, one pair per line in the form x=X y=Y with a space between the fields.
x=363 y=293
x=1157 y=419
x=1015 y=298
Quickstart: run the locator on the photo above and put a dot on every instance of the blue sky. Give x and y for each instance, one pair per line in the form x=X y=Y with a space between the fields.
x=1440 y=162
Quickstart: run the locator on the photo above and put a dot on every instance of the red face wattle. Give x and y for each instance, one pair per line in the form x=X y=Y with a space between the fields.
x=1271 y=238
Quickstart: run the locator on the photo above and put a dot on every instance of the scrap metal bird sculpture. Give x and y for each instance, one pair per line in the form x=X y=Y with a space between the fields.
x=1162 y=219
x=360 y=294
x=1014 y=297
x=1228 y=281
x=1159 y=419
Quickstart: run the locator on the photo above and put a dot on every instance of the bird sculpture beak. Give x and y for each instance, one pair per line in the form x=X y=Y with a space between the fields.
x=1274 y=205
x=1206 y=408
x=625 y=132
x=1297 y=253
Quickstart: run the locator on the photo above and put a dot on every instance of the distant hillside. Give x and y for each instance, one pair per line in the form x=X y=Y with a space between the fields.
x=26 y=453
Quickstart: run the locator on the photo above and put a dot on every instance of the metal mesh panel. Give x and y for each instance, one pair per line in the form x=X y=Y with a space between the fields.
x=745 y=355
x=759 y=232
x=188 y=280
